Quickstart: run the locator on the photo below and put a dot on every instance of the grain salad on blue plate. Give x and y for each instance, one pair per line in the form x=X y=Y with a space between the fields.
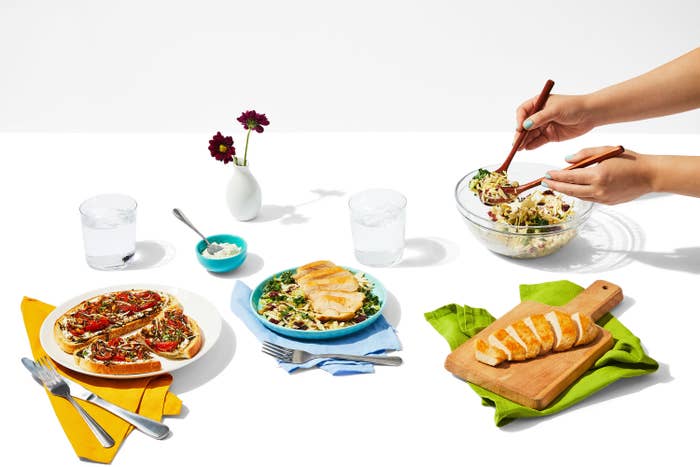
x=318 y=296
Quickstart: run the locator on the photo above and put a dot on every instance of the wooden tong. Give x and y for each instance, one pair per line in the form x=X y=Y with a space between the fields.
x=541 y=100
x=512 y=192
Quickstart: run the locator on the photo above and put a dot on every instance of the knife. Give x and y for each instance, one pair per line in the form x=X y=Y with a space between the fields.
x=146 y=425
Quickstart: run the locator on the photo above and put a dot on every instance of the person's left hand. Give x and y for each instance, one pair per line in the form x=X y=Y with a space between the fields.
x=613 y=181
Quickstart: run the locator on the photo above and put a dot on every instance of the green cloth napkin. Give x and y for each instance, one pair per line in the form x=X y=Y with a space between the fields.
x=457 y=323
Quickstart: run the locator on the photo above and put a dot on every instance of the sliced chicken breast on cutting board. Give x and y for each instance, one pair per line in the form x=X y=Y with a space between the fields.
x=525 y=337
x=542 y=330
x=505 y=342
x=587 y=330
x=565 y=330
x=488 y=354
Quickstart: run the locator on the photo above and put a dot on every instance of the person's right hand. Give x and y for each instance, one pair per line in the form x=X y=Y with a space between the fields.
x=616 y=180
x=562 y=118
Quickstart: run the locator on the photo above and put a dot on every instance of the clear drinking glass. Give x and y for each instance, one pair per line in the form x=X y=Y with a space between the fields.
x=378 y=220
x=109 y=230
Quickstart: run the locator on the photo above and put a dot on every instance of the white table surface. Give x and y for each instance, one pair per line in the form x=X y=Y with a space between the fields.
x=239 y=407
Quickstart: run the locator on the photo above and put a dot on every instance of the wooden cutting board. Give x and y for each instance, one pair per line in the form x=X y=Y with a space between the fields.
x=536 y=383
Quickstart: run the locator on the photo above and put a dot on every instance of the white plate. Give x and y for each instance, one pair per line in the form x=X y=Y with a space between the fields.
x=200 y=309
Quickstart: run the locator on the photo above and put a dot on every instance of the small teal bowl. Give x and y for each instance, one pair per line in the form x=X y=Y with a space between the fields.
x=222 y=264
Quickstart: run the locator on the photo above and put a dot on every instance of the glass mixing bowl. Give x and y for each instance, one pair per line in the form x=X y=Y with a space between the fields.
x=509 y=240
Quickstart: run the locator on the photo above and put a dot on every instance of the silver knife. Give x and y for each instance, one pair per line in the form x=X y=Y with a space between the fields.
x=146 y=425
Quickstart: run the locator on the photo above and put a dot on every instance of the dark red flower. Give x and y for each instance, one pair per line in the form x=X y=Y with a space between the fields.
x=221 y=147
x=251 y=120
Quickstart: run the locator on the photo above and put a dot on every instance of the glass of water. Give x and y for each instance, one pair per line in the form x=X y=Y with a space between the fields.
x=109 y=230
x=378 y=220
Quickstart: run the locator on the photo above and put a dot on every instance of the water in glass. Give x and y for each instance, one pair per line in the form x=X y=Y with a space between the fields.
x=109 y=231
x=378 y=219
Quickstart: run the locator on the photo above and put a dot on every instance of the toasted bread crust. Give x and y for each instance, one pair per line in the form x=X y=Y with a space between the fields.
x=70 y=347
x=145 y=366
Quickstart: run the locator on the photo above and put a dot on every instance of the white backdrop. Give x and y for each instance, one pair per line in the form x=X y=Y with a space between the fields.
x=439 y=65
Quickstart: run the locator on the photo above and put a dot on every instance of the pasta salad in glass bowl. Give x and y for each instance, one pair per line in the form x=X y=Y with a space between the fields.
x=538 y=223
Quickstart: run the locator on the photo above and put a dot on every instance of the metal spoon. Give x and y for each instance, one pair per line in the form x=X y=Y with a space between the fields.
x=211 y=247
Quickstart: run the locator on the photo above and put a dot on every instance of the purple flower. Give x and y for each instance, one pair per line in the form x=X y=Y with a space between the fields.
x=251 y=120
x=221 y=147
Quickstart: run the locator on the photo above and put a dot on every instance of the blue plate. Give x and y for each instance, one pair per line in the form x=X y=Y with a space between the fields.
x=378 y=290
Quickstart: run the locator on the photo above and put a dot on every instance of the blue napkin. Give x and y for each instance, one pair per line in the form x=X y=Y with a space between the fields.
x=374 y=339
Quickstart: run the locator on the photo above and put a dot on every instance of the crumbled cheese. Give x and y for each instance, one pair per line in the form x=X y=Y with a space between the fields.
x=227 y=250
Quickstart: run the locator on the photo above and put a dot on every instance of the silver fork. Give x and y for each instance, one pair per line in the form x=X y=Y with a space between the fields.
x=297 y=356
x=58 y=387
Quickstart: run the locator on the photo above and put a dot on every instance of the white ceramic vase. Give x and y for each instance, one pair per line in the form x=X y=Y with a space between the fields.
x=243 y=194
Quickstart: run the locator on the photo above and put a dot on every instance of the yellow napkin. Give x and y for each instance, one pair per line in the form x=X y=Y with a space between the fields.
x=147 y=396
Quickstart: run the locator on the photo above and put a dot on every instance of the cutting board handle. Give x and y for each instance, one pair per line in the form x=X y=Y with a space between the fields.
x=599 y=298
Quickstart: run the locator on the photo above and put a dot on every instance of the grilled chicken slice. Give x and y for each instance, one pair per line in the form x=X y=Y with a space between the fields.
x=587 y=330
x=321 y=273
x=505 y=342
x=565 y=330
x=488 y=354
x=525 y=337
x=336 y=305
x=343 y=281
x=307 y=268
x=542 y=330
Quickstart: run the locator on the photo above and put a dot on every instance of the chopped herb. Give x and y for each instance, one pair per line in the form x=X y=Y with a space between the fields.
x=481 y=174
x=537 y=220
x=371 y=304
x=299 y=300
x=272 y=286
x=286 y=278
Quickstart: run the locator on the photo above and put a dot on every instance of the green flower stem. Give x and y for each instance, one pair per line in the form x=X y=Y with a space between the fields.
x=245 y=153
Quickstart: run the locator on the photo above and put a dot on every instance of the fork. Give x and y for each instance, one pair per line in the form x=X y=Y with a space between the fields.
x=58 y=387
x=297 y=356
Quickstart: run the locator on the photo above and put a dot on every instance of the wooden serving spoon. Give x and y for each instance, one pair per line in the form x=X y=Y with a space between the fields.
x=541 y=100
x=512 y=192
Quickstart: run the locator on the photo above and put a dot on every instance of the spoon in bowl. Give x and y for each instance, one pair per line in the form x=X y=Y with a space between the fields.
x=512 y=192
x=211 y=247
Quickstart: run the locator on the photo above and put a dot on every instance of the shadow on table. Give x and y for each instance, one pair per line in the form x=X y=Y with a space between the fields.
x=392 y=310
x=617 y=389
x=151 y=254
x=609 y=240
x=289 y=214
x=680 y=259
x=252 y=264
x=428 y=251
x=209 y=365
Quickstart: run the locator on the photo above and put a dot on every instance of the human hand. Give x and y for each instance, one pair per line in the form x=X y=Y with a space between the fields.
x=562 y=118
x=613 y=181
